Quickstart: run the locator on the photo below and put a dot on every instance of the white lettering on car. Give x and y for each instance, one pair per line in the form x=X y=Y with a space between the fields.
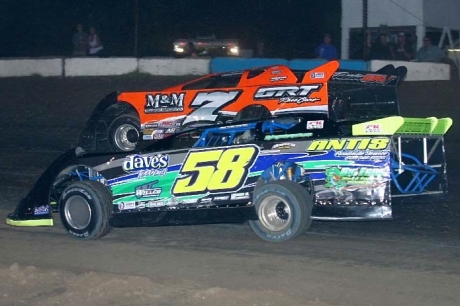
x=208 y=104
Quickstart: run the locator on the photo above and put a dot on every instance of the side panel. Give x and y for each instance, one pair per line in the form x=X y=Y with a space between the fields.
x=350 y=176
x=181 y=179
x=218 y=98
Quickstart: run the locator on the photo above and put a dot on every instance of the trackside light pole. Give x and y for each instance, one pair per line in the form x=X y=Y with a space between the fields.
x=365 y=26
x=136 y=27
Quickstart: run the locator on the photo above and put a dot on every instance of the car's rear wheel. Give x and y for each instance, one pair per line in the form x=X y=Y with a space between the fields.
x=124 y=132
x=85 y=209
x=284 y=210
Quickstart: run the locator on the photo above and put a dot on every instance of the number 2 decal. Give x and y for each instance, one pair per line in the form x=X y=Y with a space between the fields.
x=209 y=103
x=215 y=170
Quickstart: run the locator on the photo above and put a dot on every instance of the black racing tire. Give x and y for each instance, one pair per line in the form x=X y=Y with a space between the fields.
x=85 y=208
x=283 y=209
x=251 y=113
x=123 y=132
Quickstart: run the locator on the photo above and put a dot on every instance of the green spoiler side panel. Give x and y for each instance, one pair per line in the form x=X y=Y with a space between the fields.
x=384 y=126
x=397 y=125
x=443 y=126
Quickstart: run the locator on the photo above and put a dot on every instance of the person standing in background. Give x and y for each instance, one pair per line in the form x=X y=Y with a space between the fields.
x=94 y=42
x=382 y=49
x=429 y=52
x=326 y=50
x=80 y=42
x=403 y=48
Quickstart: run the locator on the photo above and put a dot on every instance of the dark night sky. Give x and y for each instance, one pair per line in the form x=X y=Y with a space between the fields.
x=290 y=28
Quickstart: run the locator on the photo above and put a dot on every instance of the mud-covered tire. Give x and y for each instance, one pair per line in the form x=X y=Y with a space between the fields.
x=124 y=132
x=85 y=208
x=284 y=211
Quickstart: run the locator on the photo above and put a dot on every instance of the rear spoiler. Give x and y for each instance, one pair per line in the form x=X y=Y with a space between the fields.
x=417 y=160
x=397 y=125
x=385 y=76
x=358 y=96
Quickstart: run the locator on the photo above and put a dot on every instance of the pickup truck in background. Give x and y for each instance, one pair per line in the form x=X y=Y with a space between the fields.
x=206 y=46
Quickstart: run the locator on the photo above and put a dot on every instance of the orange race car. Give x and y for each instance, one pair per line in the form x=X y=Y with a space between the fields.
x=122 y=119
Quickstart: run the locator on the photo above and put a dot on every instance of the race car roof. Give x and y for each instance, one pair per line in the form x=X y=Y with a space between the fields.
x=281 y=74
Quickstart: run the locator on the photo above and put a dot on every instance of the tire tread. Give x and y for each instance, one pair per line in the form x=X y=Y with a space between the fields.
x=305 y=206
x=102 y=197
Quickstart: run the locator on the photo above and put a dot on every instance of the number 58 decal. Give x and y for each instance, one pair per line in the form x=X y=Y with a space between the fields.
x=215 y=170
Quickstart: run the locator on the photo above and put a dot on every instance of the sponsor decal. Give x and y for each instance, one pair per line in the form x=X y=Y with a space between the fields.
x=156 y=203
x=78 y=235
x=315 y=125
x=41 y=210
x=365 y=78
x=163 y=124
x=221 y=198
x=141 y=205
x=164 y=103
x=239 y=196
x=205 y=200
x=373 y=128
x=276 y=72
x=146 y=165
x=188 y=201
x=283 y=146
x=378 y=78
x=167 y=123
x=170 y=131
x=288 y=94
x=374 y=155
x=317 y=75
x=233 y=126
x=148 y=131
x=278 y=78
x=288 y=136
x=140 y=162
x=152 y=131
x=147 y=190
x=339 y=178
x=147 y=193
x=126 y=205
x=170 y=202
x=150 y=134
x=346 y=76
x=357 y=143
x=151 y=125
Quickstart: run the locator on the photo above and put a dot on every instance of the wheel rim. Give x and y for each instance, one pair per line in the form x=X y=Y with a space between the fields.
x=274 y=213
x=122 y=137
x=77 y=212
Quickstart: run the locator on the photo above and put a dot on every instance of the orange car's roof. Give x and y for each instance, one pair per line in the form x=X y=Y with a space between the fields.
x=279 y=74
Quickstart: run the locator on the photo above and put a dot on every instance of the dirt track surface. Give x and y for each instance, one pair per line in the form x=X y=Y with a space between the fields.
x=413 y=260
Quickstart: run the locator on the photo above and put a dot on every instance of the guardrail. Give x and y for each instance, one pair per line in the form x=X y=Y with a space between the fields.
x=17 y=67
x=162 y=66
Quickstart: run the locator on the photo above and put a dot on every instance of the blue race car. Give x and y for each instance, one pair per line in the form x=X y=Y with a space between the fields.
x=277 y=173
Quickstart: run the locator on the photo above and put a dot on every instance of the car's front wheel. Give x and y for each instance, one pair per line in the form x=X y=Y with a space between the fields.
x=283 y=209
x=124 y=133
x=85 y=209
